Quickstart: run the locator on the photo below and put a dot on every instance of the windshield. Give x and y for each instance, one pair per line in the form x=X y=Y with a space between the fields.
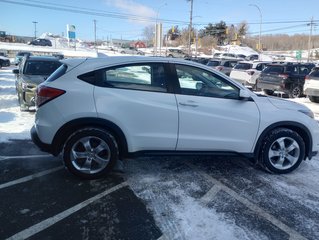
x=41 y=67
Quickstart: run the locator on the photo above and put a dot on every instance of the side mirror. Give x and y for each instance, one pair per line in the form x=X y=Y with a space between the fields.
x=15 y=71
x=244 y=94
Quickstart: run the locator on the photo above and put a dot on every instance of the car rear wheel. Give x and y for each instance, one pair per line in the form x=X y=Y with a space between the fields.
x=268 y=92
x=90 y=153
x=295 y=92
x=282 y=151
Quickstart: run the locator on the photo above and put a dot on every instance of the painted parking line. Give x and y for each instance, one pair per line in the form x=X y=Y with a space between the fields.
x=52 y=220
x=30 y=177
x=253 y=207
x=23 y=157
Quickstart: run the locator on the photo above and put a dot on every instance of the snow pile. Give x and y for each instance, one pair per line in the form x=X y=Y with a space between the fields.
x=13 y=123
x=62 y=42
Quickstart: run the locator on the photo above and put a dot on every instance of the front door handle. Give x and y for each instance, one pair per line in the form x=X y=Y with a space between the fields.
x=188 y=104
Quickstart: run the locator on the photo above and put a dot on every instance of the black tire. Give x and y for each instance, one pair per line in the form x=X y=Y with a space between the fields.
x=314 y=99
x=170 y=55
x=295 y=92
x=0 y=64
x=282 y=151
x=94 y=147
x=268 y=92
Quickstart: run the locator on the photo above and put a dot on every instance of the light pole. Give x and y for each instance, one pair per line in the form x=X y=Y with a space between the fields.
x=158 y=31
x=261 y=22
x=190 y=29
x=35 y=29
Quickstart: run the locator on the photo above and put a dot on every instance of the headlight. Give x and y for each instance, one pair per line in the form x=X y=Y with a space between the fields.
x=308 y=112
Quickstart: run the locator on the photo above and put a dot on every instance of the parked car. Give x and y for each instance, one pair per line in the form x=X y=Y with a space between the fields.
x=131 y=50
x=311 y=87
x=223 y=65
x=20 y=55
x=246 y=72
x=288 y=78
x=41 y=42
x=99 y=110
x=176 y=53
x=32 y=71
x=4 y=61
x=199 y=60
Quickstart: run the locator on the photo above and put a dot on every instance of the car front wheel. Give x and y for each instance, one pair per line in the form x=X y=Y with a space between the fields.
x=90 y=153
x=282 y=151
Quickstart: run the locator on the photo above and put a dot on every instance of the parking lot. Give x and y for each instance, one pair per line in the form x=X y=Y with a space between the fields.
x=155 y=198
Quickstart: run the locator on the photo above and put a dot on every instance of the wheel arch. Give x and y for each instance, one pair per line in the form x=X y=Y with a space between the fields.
x=70 y=127
x=295 y=126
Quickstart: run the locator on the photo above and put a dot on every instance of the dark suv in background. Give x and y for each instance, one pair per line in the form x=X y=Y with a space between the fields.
x=41 y=42
x=32 y=71
x=288 y=78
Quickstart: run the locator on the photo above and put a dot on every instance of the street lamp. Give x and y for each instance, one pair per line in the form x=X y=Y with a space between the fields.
x=190 y=28
x=158 y=31
x=35 y=29
x=261 y=21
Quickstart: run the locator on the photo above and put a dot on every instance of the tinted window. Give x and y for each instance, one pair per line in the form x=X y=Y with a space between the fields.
x=213 y=63
x=40 y=67
x=57 y=73
x=198 y=82
x=274 y=69
x=243 y=66
x=147 y=77
x=315 y=73
x=304 y=70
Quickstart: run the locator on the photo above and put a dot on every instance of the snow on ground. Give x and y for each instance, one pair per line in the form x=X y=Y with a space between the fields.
x=13 y=123
x=173 y=193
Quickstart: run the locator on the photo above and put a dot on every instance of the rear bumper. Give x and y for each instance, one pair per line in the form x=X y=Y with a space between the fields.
x=36 y=140
x=311 y=92
x=271 y=87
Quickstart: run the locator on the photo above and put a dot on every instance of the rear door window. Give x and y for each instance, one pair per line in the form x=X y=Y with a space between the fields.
x=145 y=77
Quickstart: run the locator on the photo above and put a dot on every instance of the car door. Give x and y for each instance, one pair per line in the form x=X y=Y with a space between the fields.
x=211 y=115
x=136 y=98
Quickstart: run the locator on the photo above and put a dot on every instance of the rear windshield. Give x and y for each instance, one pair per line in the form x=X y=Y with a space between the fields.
x=213 y=63
x=314 y=73
x=57 y=73
x=243 y=66
x=274 y=69
x=40 y=67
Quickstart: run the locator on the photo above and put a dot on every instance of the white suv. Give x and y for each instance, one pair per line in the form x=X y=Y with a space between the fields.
x=96 y=111
x=247 y=72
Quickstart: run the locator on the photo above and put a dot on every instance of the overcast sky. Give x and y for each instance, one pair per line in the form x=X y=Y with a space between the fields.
x=127 y=18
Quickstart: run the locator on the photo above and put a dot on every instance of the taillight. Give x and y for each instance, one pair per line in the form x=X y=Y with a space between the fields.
x=46 y=94
x=307 y=77
x=219 y=68
x=284 y=76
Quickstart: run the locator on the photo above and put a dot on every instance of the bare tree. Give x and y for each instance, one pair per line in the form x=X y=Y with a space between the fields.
x=148 y=34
